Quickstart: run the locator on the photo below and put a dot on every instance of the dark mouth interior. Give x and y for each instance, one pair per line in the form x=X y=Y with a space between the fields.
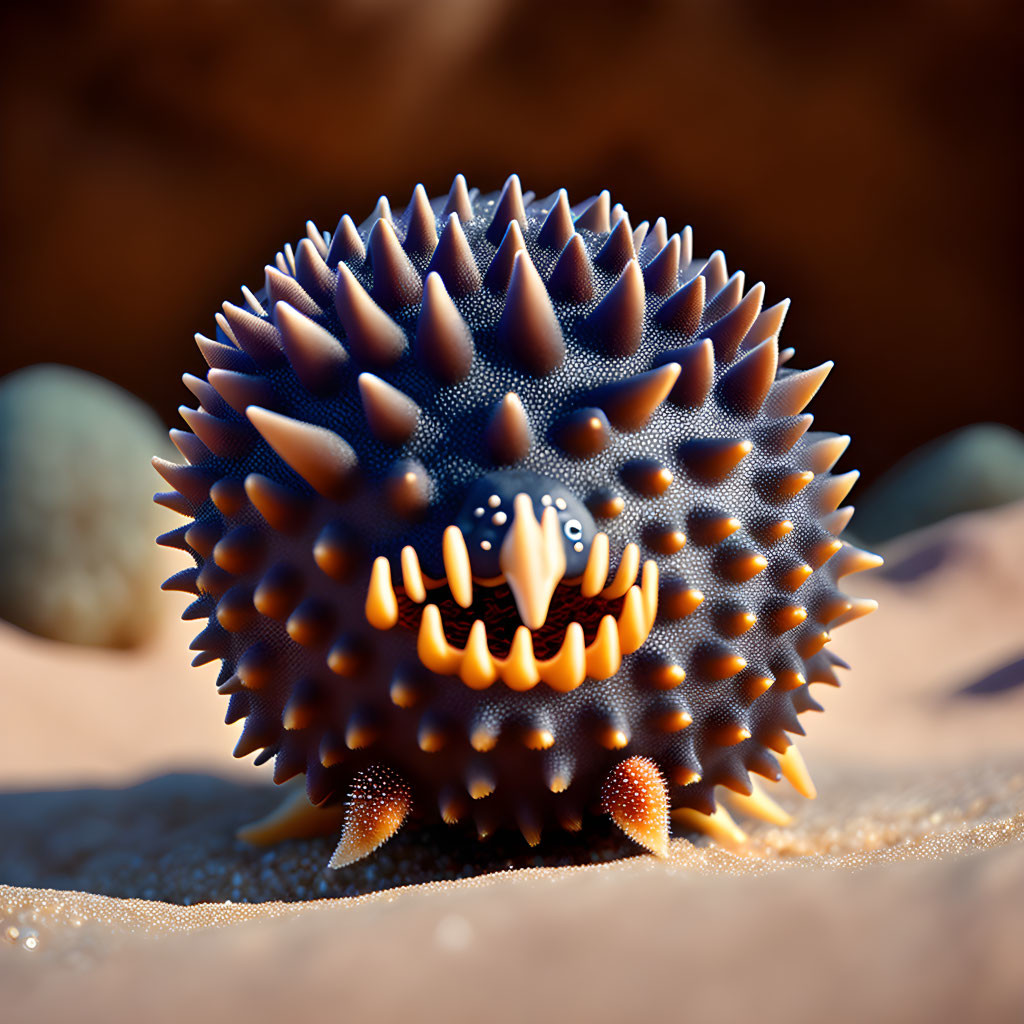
x=497 y=608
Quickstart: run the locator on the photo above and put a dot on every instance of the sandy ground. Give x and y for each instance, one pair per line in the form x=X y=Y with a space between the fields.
x=897 y=895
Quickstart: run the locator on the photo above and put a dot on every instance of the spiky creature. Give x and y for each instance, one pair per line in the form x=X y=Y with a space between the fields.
x=504 y=512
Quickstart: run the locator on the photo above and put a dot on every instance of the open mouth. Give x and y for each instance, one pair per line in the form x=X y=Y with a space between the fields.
x=474 y=627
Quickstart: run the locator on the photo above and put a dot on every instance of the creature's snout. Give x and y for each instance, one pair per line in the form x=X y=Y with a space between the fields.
x=533 y=560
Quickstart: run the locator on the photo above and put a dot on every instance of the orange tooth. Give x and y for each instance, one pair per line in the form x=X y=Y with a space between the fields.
x=519 y=669
x=477 y=670
x=604 y=655
x=456 y=566
x=632 y=625
x=381 y=601
x=568 y=668
x=596 y=573
x=434 y=650
x=533 y=560
x=649 y=591
x=412 y=577
x=629 y=565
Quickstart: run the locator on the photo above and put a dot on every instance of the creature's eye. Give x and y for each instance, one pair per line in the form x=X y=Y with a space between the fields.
x=573 y=529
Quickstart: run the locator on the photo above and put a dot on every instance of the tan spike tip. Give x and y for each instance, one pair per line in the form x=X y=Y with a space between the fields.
x=458 y=201
x=745 y=386
x=629 y=403
x=824 y=451
x=597 y=216
x=572 y=278
x=407 y=488
x=421 y=230
x=618 y=250
x=391 y=414
x=507 y=435
x=662 y=273
x=716 y=274
x=791 y=394
x=635 y=795
x=711 y=460
x=316 y=355
x=346 y=244
x=618 y=319
x=282 y=288
x=312 y=273
x=682 y=310
x=372 y=336
x=322 y=458
x=396 y=282
x=453 y=260
x=528 y=329
x=719 y=825
x=444 y=342
x=508 y=208
x=795 y=772
x=377 y=806
x=499 y=273
x=558 y=226
x=727 y=332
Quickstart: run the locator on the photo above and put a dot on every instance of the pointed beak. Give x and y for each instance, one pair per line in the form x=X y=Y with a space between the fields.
x=533 y=560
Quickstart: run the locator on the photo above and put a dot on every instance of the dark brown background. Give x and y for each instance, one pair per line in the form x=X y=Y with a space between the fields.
x=867 y=164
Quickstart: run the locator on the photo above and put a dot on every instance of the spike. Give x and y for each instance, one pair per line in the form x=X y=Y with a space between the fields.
x=605 y=504
x=378 y=804
x=453 y=260
x=778 y=487
x=192 y=482
x=509 y=207
x=407 y=488
x=382 y=211
x=677 y=600
x=432 y=734
x=597 y=215
x=665 y=539
x=618 y=250
x=252 y=302
x=346 y=244
x=787 y=617
x=728 y=331
x=362 y=729
x=558 y=227
x=662 y=273
x=185 y=581
x=558 y=773
x=583 y=433
x=647 y=477
x=483 y=737
x=635 y=795
x=294 y=818
x=697 y=372
x=836 y=522
x=662 y=674
x=520 y=669
x=208 y=398
x=278 y=591
x=241 y=550
x=284 y=509
x=241 y=390
x=444 y=344
x=791 y=394
x=809 y=645
x=773 y=531
x=311 y=622
x=302 y=706
x=507 y=435
x=228 y=495
x=850 y=560
x=381 y=601
x=568 y=668
x=682 y=310
x=718 y=825
x=255 y=667
x=322 y=458
x=768 y=324
x=757 y=683
x=822 y=550
x=391 y=414
x=792 y=579
x=223 y=357
x=631 y=402
x=349 y=655
x=824 y=451
x=372 y=335
x=396 y=282
x=711 y=460
x=745 y=385
x=529 y=330
x=711 y=527
x=458 y=201
x=315 y=276
x=618 y=319
x=281 y=288
x=499 y=272
x=672 y=720
x=572 y=278
x=257 y=338
x=796 y=774
x=733 y=621
x=596 y=573
x=834 y=489
x=715 y=273
x=337 y=551
x=220 y=436
x=859 y=607
x=480 y=781
x=477 y=669
x=421 y=235
x=451 y=805
x=256 y=733
x=633 y=628
x=740 y=565
x=178 y=538
x=316 y=355
x=716 y=660
x=538 y=738
x=190 y=446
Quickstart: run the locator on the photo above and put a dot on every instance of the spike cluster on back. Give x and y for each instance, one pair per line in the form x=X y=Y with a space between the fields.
x=506 y=512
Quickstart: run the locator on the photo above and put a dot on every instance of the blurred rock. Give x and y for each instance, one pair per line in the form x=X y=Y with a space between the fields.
x=978 y=467
x=77 y=521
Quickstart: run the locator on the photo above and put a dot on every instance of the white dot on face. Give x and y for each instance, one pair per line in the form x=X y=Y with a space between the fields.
x=478 y=512
x=546 y=500
x=499 y=518
x=494 y=501
x=578 y=546
x=486 y=545
x=560 y=502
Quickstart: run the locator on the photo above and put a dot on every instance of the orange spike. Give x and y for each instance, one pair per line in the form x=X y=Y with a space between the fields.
x=635 y=795
x=378 y=804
